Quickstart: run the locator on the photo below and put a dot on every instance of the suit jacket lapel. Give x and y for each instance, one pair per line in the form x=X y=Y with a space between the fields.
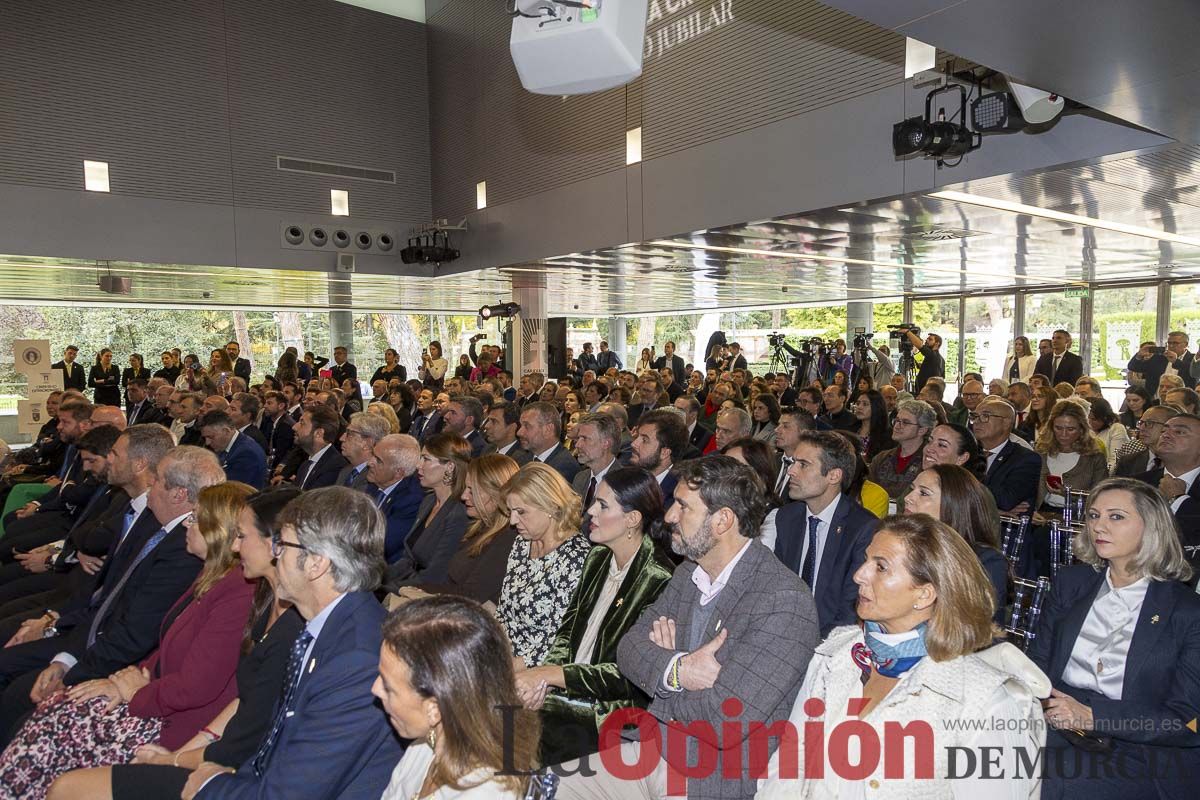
x=732 y=593
x=1152 y=621
x=834 y=540
x=1072 y=623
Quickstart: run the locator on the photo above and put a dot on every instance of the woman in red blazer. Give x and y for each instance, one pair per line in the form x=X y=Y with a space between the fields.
x=171 y=695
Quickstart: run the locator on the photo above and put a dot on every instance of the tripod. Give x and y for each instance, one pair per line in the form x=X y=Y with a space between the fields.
x=908 y=368
x=779 y=360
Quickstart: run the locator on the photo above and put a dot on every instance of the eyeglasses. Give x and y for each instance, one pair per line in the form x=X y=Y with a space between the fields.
x=278 y=544
x=1146 y=423
x=985 y=416
x=900 y=422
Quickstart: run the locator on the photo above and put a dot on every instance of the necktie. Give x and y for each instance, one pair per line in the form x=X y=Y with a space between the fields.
x=68 y=461
x=782 y=482
x=302 y=474
x=1156 y=463
x=377 y=494
x=223 y=457
x=133 y=414
x=1054 y=372
x=591 y=494
x=810 y=556
x=146 y=550
x=290 y=685
x=353 y=476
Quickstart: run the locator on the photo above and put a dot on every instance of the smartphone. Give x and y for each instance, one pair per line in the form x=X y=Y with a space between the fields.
x=325 y=373
x=1054 y=482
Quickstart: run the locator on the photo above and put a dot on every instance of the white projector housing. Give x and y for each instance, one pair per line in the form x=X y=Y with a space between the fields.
x=561 y=49
x=1037 y=106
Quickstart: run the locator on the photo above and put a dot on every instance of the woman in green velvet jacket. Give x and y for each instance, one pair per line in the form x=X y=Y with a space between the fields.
x=579 y=685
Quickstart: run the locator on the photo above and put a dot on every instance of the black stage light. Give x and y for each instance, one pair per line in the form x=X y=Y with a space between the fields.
x=996 y=112
x=499 y=310
x=910 y=136
x=940 y=138
x=410 y=254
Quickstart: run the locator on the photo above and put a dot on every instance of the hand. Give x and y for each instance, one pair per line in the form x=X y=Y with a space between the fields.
x=662 y=633
x=26 y=510
x=30 y=631
x=129 y=680
x=90 y=564
x=699 y=669
x=36 y=560
x=48 y=682
x=52 y=481
x=412 y=593
x=101 y=687
x=1172 y=487
x=201 y=774
x=1064 y=711
x=531 y=691
x=1020 y=508
x=153 y=754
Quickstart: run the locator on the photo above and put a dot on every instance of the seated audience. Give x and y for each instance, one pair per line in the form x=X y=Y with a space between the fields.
x=395 y=487
x=895 y=468
x=578 y=684
x=954 y=444
x=1119 y=639
x=870 y=495
x=442 y=677
x=927 y=613
x=1137 y=402
x=873 y=430
x=1178 y=451
x=239 y=455
x=764 y=411
x=1108 y=430
x=545 y=562
x=1012 y=469
x=761 y=458
x=1071 y=456
x=540 y=433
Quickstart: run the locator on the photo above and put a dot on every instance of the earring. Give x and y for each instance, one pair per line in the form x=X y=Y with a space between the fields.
x=433 y=738
x=447 y=477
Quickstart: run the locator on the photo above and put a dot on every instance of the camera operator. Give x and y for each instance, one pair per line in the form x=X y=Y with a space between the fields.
x=934 y=366
x=881 y=369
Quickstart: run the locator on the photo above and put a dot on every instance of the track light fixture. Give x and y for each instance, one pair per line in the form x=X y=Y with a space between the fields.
x=499 y=311
x=429 y=247
x=936 y=138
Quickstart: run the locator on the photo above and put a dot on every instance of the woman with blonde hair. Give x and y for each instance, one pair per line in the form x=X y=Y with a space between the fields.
x=476 y=570
x=1120 y=641
x=546 y=559
x=1071 y=455
x=387 y=412
x=1041 y=404
x=442 y=676
x=927 y=611
x=168 y=697
x=1019 y=365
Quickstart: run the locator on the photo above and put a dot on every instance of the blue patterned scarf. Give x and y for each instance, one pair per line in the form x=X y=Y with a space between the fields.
x=890 y=659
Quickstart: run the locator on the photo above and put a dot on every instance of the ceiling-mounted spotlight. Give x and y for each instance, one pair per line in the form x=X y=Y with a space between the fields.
x=429 y=247
x=940 y=138
x=1037 y=106
x=499 y=311
x=996 y=112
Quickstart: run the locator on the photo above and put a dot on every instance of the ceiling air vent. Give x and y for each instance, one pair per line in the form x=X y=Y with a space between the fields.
x=330 y=170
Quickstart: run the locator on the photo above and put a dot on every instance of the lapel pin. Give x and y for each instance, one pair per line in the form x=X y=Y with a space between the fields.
x=311 y=666
x=1154 y=620
x=619 y=602
x=718 y=628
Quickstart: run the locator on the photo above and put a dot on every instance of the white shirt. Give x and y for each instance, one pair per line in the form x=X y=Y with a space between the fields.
x=1101 y=651
x=506 y=449
x=826 y=518
x=711 y=587
x=599 y=476
x=662 y=476
x=410 y=773
x=612 y=584
x=1188 y=479
x=546 y=454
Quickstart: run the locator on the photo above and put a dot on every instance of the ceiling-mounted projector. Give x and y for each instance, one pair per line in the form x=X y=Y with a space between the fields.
x=577 y=46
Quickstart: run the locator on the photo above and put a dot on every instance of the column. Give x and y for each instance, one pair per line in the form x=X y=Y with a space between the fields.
x=341 y=317
x=528 y=345
x=616 y=338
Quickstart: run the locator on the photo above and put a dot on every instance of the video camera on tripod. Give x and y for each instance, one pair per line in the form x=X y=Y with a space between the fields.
x=899 y=331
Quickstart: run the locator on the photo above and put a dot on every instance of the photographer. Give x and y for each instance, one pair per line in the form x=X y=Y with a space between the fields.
x=881 y=370
x=934 y=366
x=1174 y=359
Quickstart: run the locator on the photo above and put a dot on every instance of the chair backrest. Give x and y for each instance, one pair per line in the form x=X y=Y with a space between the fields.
x=1062 y=545
x=1073 y=504
x=542 y=786
x=1012 y=536
x=1028 y=598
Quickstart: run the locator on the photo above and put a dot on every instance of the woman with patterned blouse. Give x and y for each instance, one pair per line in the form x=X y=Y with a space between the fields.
x=546 y=560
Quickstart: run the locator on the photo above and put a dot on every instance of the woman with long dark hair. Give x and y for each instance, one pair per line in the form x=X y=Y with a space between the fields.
x=1137 y=401
x=760 y=457
x=433 y=366
x=578 y=684
x=1111 y=433
x=105 y=380
x=136 y=370
x=870 y=409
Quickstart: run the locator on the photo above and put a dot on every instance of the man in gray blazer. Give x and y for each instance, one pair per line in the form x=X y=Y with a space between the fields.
x=732 y=632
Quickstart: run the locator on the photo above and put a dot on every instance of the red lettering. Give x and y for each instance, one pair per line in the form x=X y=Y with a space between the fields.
x=678 y=768
x=731 y=737
x=839 y=749
x=894 y=734
x=610 y=744
x=788 y=747
x=814 y=741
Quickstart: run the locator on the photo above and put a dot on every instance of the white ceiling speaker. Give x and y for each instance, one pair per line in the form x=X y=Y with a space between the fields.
x=1037 y=106
x=345 y=262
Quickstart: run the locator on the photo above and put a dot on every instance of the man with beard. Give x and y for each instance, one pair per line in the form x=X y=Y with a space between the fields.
x=723 y=648
x=659 y=437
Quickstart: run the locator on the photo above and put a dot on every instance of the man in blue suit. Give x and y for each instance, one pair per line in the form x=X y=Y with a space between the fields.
x=240 y=456
x=1013 y=470
x=393 y=485
x=329 y=738
x=823 y=535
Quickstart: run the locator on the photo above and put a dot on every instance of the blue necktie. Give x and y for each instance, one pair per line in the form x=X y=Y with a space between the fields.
x=377 y=494
x=302 y=474
x=146 y=550
x=290 y=684
x=353 y=476
x=810 y=556
x=68 y=460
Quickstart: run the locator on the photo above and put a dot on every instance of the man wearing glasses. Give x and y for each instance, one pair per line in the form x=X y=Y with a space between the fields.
x=1013 y=469
x=1178 y=449
x=328 y=738
x=972 y=394
x=1147 y=432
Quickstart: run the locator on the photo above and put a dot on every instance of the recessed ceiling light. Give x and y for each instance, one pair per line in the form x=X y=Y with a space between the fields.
x=339 y=202
x=633 y=145
x=95 y=176
x=1060 y=216
x=481 y=195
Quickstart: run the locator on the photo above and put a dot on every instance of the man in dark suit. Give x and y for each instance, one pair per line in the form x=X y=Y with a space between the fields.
x=1060 y=365
x=823 y=535
x=586 y=360
x=1148 y=431
x=140 y=409
x=698 y=435
x=120 y=622
x=1175 y=359
x=607 y=360
x=1179 y=452
x=1013 y=470
x=74 y=376
x=736 y=360
x=500 y=429
x=649 y=392
x=668 y=360
x=329 y=738
x=241 y=366
x=657 y=440
x=540 y=433
x=342 y=369
x=597 y=441
x=243 y=410
x=316 y=433
x=240 y=456
x=359 y=439
x=394 y=487
x=463 y=414
x=726 y=644
x=276 y=428
x=836 y=415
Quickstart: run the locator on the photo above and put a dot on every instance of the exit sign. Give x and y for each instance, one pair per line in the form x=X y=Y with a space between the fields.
x=1076 y=291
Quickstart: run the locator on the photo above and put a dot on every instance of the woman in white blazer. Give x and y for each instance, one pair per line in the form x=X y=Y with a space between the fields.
x=1019 y=365
x=923 y=656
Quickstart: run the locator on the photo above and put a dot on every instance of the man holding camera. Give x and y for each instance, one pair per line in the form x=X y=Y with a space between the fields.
x=1174 y=359
x=934 y=366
